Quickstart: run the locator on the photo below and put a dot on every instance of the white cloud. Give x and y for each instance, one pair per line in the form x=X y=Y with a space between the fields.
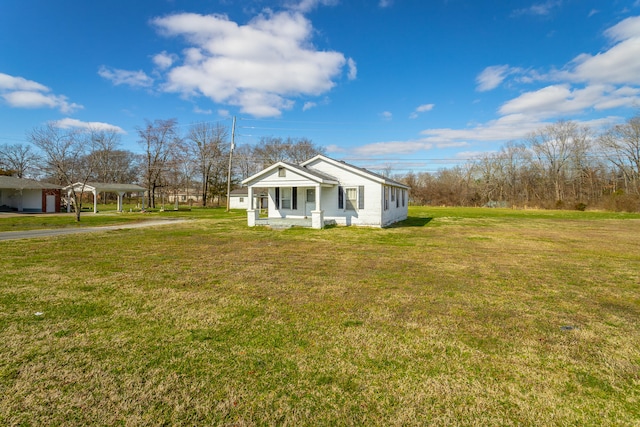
x=305 y=6
x=538 y=9
x=259 y=66
x=19 y=92
x=353 y=70
x=308 y=106
x=333 y=148
x=385 y=3
x=403 y=147
x=421 y=109
x=491 y=77
x=199 y=110
x=69 y=123
x=619 y=64
x=561 y=100
x=124 y=77
x=386 y=115
x=164 y=60
x=11 y=83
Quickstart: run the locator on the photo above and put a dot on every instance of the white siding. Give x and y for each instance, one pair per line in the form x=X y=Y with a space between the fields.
x=235 y=202
x=396 y=212
x=369 y=216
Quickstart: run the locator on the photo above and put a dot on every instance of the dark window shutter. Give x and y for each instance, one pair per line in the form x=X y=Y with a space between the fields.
x=277 y=197
x=294 y=198
x=340 y=197
x=361 y=197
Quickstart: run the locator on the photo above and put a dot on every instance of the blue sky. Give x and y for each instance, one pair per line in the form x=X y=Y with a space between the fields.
x=407 y=84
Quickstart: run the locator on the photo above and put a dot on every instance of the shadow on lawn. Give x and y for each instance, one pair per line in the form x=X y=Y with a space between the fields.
x=412 y=221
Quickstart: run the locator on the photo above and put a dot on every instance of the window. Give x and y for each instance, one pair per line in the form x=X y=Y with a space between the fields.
x=351 y=199
x=403 y=196
x=241 y=199
x=393 y=194
x=282 y=172
x=386 y=198
x=398 y=197
x=285 y=201
x=277 y=198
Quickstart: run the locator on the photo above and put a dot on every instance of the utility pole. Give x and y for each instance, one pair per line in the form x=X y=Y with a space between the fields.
x=233 y=145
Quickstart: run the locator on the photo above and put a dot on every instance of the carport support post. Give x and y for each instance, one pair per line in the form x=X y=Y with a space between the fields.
x=120 y=201
x=95 y=201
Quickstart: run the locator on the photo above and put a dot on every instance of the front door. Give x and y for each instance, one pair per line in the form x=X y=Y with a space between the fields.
x=310 y=204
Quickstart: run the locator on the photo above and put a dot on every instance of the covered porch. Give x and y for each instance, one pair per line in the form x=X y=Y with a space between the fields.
x=295 y=196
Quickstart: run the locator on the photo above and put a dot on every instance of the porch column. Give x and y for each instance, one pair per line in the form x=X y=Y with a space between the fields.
x=252 y=213
x=95 y=201
x=317 y=216
x=120 y=201
x=68 y=201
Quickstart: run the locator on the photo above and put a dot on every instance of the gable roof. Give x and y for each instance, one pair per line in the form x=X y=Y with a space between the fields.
x=13 y=183
x=310 y=174
x=355 y=169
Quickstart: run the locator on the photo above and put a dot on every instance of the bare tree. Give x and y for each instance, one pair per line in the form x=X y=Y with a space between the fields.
x=158 y=139
x=272 y=150
x=67 y=156
x=553 y=147
x=621 y=145
x=244 y=162
x=19 y=159
x=207 y=145
x=299 y=150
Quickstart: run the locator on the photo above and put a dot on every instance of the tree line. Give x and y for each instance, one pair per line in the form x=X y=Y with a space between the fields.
x=562 y=165
x=170 y=161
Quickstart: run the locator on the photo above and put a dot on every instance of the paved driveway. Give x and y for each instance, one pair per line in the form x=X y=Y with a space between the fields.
x=28 y=234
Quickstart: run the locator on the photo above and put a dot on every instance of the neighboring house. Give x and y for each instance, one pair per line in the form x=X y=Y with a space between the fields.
x=185 y=195
x=27 y=195
x=328 y=190
x=239 y=199
x=98 y=187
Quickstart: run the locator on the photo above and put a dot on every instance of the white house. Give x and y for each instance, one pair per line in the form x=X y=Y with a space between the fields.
x=239 y=198
x=328 y=190
x=27 y=195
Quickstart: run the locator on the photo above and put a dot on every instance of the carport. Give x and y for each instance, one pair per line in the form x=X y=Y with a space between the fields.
x=100 y=187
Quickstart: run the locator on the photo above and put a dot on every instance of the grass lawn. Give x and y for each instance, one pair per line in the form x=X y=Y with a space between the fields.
x=107 y=215
x=456 y=317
